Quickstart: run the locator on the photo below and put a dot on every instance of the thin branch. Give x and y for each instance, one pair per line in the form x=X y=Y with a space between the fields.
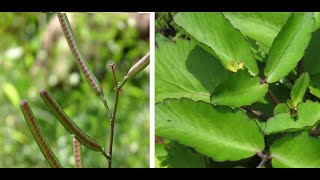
x=113 y=118
x=256 y=113
x=273 y=97
x=263 y=161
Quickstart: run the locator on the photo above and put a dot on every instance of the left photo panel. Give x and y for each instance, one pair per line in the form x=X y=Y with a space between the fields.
x=74 y=90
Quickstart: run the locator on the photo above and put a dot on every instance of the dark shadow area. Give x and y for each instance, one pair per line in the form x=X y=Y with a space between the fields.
x=207 y=69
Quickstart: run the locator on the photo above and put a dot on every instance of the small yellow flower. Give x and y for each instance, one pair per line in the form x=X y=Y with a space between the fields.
x=234 y=66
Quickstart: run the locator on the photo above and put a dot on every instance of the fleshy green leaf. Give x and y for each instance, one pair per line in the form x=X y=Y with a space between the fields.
x=186 y=70
x=308 y=116
x=315 y=91
x=239 y=90
x=180 y=156
x=298 y=150
x=311 y=58
x=281 y=108
x=289 y=45
x=281 y=123
x=218 y=132
x=260 y=26
x=299 y=88
x=317 y=20
x=215 y=31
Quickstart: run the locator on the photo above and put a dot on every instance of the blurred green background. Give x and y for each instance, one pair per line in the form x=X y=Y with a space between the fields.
x=35 y=55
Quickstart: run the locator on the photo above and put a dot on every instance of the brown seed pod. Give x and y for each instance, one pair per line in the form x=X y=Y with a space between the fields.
x=37 y=134
x=81 y=61
x=71 y=127
x=139 y=66
x=77 y=153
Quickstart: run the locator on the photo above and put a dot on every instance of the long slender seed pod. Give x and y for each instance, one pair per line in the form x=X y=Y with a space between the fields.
x=77 y=153
x=37 y=134
x=75 y=49
x=71 y=127
x=139 y=66
x=135 y=69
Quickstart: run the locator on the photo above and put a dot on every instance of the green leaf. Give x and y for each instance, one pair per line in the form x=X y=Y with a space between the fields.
x=256 y=48
x=281 y=123
x=217 y=132
x=186 y=70
x=289 y=45
x=311 y=58
x=317 y=20
x=299 y=88
x=308 y=116
x=215 y=31
x=180 y=156
x=160 y=150
x=281 y=108
x=160 y=38
x=298 y=150
x=260 y=26
x=249 y=89
x=315 y=91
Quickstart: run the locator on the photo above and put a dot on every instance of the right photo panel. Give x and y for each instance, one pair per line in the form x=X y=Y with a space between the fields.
x=237 y=90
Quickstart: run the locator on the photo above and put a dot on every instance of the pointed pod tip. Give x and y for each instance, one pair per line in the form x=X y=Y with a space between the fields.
x=43 y=92
x=23 y=103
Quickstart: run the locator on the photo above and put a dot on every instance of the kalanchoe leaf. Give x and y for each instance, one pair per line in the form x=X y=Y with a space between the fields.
x=260 y=26
x=308 y=116
x=281 y=108
x=239 y=90
x=37 y=134
x=297 y=150
x=317 y=20
x=215 y=31
x=180 y=156
x=289 y=46
x=183 y=69
x=299 y=88
x=218 y=132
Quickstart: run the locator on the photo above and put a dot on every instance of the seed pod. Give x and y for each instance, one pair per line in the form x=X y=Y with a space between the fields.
x=75 y=49
x=37 y=135
x=139 y=66
x=71 y=127
x=77 y=153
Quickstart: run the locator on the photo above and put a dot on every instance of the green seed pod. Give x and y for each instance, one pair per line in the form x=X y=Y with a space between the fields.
x=75 y=49
x=71 y=127
x=77 y=153
x=37 y=134
x=139 y=66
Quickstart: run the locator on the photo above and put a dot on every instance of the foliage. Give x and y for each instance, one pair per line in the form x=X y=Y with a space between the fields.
x=35 y=55
x=237 y=90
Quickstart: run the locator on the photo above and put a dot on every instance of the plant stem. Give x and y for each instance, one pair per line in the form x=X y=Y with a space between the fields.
x=125 y=79
x=265 y=157
x=256 y=113
x=273 y=97
x=104 y=101
x=113 y=116
x=112 y=128
x=263 y=161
